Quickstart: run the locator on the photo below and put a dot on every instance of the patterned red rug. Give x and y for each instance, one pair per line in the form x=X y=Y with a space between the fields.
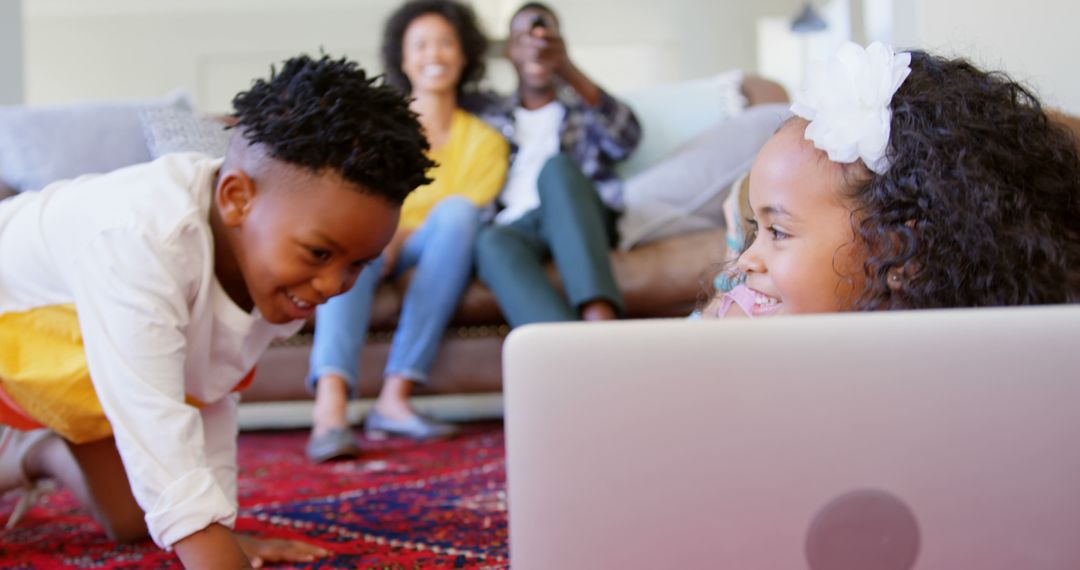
x=403 y=505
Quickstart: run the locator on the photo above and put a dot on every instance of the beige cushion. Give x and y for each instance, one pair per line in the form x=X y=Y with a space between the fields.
x=685 y=191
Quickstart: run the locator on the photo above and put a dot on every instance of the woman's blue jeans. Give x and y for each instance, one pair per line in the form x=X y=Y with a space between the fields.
x=442 y=251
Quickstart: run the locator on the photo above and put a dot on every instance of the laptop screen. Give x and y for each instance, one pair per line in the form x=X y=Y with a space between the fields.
x=923 y=439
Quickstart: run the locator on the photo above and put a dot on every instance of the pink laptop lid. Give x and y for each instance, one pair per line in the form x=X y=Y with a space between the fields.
x=929 y=440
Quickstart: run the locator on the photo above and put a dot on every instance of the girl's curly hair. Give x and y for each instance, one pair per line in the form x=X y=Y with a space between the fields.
x=981 y=203
x=327 y=114
x=474 y=43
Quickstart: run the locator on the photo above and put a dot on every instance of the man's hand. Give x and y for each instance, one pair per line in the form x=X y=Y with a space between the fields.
x=271 y=550
x=546 y=46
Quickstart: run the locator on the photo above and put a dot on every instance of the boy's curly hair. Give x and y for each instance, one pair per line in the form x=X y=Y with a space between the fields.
x=474 y=43
x=327 y=114
x=981 y=203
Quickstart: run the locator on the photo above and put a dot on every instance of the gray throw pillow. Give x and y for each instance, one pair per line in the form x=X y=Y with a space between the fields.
x=39 y=145
x=169 y=129
x=685 y=191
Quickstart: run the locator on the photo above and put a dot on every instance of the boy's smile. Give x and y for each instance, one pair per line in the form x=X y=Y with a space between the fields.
x=294 y=238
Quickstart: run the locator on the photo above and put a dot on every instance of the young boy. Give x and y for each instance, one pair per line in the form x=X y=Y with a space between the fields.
x=134 y=304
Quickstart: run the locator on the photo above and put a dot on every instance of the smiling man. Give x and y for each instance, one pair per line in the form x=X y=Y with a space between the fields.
x=561 y=197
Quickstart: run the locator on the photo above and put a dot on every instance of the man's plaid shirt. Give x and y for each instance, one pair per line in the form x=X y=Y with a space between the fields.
x=596 y=138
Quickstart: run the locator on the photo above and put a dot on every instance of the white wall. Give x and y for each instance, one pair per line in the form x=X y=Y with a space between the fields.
x=1035 y=41
x=110 y=49
x=105 y=49
x=11 y=52
x=783 y=55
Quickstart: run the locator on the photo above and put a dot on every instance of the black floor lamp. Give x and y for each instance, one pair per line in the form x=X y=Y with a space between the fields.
x=808 y=20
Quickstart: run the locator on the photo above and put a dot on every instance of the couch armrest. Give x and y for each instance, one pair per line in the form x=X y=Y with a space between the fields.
x=760 y=91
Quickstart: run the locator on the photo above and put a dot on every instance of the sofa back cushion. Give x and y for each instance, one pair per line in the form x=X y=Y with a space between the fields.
x=674 y=113
x=40 y=145
x=685 y=191
x=174 y=129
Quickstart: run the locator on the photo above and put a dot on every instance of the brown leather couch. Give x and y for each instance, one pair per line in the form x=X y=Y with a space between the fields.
x=661 y=279
x=666 y=278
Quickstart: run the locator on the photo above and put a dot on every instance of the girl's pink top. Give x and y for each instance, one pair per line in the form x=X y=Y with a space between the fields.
x=740 y=295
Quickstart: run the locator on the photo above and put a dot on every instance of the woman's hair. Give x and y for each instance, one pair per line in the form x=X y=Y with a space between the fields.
x=460 y=16
x=981 y=203
x=324 y=113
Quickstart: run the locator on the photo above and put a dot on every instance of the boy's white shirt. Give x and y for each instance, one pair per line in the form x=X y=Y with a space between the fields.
x=134 y=251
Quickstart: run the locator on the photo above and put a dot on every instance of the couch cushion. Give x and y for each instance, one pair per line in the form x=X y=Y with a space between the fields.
x=39 y=145
x=662 y=279
x=674 y=113
x=175 y=129
x=685 y=191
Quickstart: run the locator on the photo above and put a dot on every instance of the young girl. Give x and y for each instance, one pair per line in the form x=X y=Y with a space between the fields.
x=433 y=50
x=133 y=305
x=910 y=181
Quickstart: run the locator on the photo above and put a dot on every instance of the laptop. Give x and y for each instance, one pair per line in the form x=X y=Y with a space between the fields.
x=928 y=440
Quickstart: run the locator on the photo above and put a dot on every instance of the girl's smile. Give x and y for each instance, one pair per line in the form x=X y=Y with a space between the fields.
x=765 y=305
x=803 y=258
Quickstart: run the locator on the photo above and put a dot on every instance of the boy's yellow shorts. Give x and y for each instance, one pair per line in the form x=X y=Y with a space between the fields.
x=44 y=381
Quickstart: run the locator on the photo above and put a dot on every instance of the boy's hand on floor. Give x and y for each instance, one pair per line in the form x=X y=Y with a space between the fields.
x=263 y=551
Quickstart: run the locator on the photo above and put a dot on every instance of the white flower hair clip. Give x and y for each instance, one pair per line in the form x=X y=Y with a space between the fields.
x=847 y=100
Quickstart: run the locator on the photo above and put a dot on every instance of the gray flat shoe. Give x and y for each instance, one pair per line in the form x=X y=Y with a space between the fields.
x=338 y=443
x=418 y=427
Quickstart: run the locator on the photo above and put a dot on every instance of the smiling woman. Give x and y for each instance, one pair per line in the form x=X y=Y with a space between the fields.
x=449 y=27
x=432 y=50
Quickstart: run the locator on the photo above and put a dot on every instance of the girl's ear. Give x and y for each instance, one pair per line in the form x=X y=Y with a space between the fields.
x=898 y=276
x=233 y=195
x=895 y=279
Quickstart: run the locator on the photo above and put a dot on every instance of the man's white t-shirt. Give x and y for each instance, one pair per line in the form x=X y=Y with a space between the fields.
x=536 y=134
x=134 y=251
